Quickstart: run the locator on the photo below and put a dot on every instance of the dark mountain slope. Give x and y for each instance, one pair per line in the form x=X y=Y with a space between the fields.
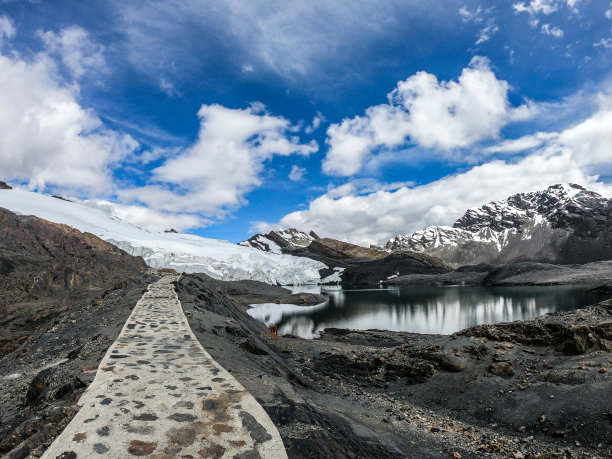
x=64 y=297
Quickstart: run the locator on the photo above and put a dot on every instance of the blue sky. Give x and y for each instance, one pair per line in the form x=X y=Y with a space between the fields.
x=227 y=118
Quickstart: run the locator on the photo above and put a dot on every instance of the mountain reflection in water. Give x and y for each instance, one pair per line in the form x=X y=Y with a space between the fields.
x=423 y=309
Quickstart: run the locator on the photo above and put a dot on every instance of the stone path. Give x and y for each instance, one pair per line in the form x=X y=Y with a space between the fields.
x=159 y=394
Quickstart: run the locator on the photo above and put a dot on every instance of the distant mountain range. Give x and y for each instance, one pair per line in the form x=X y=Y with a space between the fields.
x=564 y=224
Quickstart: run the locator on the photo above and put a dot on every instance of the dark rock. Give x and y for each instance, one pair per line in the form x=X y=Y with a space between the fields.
x=103 y=431
x=575 y=332
x=569 y=377
x=141 y=448
x=100 y=448
x=5 y=186
x=503 y=369
x=399 y=264
x=145 y=417
x=64 y=390
x=67 y=455
x=253 y=348
x=73 y=354
x=605 y=289
x=257 y=432
x=61 y=197
x=236 y=331
x=39 y=385
x=182 y=417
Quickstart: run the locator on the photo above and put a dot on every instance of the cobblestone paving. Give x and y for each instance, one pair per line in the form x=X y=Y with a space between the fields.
x=158 y=393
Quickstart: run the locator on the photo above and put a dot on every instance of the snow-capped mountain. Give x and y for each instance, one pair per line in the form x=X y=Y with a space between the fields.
x=563 y=224
x=182 y=252
x=277 y=241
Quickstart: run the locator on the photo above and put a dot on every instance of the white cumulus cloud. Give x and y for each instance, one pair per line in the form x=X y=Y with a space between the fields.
x=316 y=122
x=373 y=218
x=47 y=139
x=148 y=218
x=78 y=52
x=297 y=173
x=486 y=33
x=7 y=29
x=443 y=115
x=603 y=43
x=545 y=7
x=536 y=6
x=213 y=175
x=552 y=31
x=527 y=142
x=471 y=15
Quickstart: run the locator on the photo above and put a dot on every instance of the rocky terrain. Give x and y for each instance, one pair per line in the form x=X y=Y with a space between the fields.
x=39 y=260
x=537 y=388
x=563 y=224
x=349 y=264
x=392 y=266
x=64 y=296
x=534 y=388
x=332 y=252
x=509 y=390
x=521 y=240
x=280 y=241
x=521 y=273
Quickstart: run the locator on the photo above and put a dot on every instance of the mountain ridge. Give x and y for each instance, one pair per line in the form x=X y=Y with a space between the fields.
x=564 y=224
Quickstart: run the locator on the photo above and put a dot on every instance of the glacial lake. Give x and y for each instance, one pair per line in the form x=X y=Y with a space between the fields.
x=422 y=309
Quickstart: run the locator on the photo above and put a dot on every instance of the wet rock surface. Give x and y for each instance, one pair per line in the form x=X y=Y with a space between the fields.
x=386 y=394
x=571 y=333
x=252 y=292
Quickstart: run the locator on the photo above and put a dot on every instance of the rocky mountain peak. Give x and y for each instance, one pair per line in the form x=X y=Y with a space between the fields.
x=277 y=240
x=5 y=186
x=501 y=230
x=553 y=204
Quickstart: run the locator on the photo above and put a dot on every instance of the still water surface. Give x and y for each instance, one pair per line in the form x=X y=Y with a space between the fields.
x=422 y=309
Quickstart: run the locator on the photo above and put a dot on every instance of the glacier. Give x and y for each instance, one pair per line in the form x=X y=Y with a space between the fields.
x=182 y=252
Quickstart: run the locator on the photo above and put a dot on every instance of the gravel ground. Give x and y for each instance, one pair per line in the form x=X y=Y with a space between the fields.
x=42 y=380
x=487 y=393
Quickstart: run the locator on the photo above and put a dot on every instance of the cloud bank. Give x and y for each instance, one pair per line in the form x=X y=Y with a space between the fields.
x=368 y=216
x=226 y=161
x=441 y=115
x=47 y=139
